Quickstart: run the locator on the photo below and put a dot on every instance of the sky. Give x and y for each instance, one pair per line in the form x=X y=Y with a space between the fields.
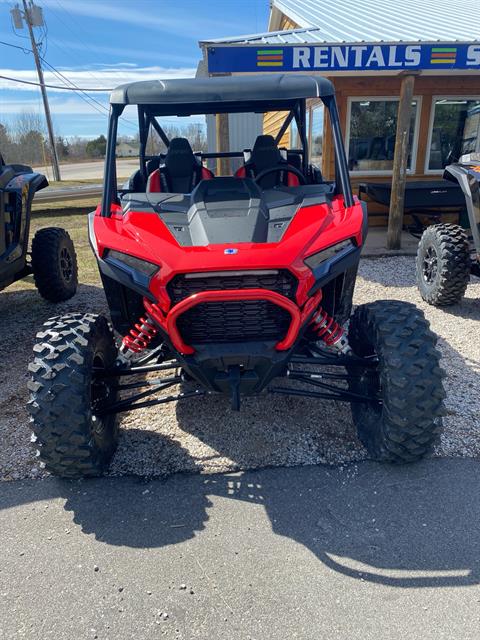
x=104 y=44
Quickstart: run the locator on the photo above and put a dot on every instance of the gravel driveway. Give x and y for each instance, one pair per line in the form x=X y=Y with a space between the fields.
x=204 y=435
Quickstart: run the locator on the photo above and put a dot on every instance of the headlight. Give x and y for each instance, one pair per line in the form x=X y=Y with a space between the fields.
x=143 y=266
x=325 y=254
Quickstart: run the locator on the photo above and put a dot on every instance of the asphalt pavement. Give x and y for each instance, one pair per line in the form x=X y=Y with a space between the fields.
x=359 y=552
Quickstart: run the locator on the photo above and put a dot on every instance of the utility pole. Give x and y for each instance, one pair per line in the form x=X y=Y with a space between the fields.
x=27 y=16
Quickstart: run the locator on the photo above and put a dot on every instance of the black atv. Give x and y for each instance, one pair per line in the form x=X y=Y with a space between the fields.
x=446 y=255
x=52 y=260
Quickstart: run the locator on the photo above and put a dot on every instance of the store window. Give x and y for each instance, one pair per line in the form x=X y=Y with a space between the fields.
x=448 y=135
x=371 y=134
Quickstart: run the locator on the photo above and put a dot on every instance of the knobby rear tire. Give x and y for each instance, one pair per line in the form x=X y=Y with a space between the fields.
x=54 y=264
x=449 y=242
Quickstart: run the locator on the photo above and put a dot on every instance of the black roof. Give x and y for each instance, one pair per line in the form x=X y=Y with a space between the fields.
x=203 y=95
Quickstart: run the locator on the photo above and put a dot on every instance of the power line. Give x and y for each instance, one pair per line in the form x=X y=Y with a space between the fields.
x=57 y=73
x=52 y=86
x=60 y=75
x=73 y=87
x=67 y=51
x=79 y=90
x=25 y=50
x=88 y=99
x=76 y=90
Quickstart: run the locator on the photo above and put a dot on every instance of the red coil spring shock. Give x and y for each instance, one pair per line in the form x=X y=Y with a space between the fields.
x=140 y=336
x=330 y=331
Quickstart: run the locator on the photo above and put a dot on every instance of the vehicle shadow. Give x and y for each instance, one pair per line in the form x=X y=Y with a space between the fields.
x=366 y=521
x=468 y=308
x=408 y=527
x=21 y=306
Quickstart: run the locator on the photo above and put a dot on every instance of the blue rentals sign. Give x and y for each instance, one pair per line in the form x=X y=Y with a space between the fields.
x=354 y=57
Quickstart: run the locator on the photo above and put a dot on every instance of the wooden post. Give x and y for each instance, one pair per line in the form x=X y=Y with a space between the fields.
x=223 y=143
x=400 y=163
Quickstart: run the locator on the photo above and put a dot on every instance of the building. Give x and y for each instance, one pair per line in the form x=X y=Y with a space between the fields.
x=373 y=51
x=126 y=150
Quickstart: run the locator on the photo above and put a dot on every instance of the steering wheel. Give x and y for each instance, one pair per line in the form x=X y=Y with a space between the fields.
x=289 y=168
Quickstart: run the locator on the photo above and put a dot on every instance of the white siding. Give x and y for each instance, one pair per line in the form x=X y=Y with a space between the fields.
x=243 y=130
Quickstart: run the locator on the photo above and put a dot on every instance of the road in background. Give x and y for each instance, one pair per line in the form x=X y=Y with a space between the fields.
x=86 y=170
x=363 y=552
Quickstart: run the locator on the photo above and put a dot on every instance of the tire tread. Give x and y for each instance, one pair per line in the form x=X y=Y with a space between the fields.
x=453 y=251
x=59 y=403
x=46 y=245
x=411 y=381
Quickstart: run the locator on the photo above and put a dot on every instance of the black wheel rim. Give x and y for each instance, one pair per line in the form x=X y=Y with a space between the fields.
x=369 y=384
x=66 y=264
x=101 y=392
x=367 y=381
x=430 y=265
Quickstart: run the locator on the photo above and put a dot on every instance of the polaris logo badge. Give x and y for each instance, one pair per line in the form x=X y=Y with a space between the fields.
x=230 y=252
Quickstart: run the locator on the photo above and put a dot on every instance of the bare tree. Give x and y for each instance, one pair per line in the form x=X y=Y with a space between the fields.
x=77 y=148
x=194 y=133
x=25 y=141
x=28 y=133
x=28 y=121
x=8 y=148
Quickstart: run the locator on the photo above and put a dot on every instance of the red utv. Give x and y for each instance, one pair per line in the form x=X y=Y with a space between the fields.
x=234 y=285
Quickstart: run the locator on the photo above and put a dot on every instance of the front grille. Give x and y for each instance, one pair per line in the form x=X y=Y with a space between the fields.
x=185 y=285
x=233 y=322
x=236 y=321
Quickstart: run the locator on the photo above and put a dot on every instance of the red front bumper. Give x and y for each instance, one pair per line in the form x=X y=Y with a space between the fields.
x=298 y=316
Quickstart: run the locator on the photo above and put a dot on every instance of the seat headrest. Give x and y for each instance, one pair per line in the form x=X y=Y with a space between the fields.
x=265 y=153
x=153 y=164
x=180 y=160
x=264 y=142
x=295 y=159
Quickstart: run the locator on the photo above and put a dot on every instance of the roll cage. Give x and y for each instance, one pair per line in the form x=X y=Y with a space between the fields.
x=256 y=94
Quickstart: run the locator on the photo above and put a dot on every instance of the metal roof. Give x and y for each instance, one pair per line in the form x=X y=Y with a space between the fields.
x=344 y=21
x=204 y=95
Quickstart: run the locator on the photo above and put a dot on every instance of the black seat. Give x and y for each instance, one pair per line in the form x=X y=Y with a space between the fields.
x=295 y=159
x=266 y=155
x=154 y=163
x=181 y=170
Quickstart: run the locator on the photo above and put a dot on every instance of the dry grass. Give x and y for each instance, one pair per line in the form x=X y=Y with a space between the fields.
x=64 y=207
x=75 y=222
x=73 y=183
